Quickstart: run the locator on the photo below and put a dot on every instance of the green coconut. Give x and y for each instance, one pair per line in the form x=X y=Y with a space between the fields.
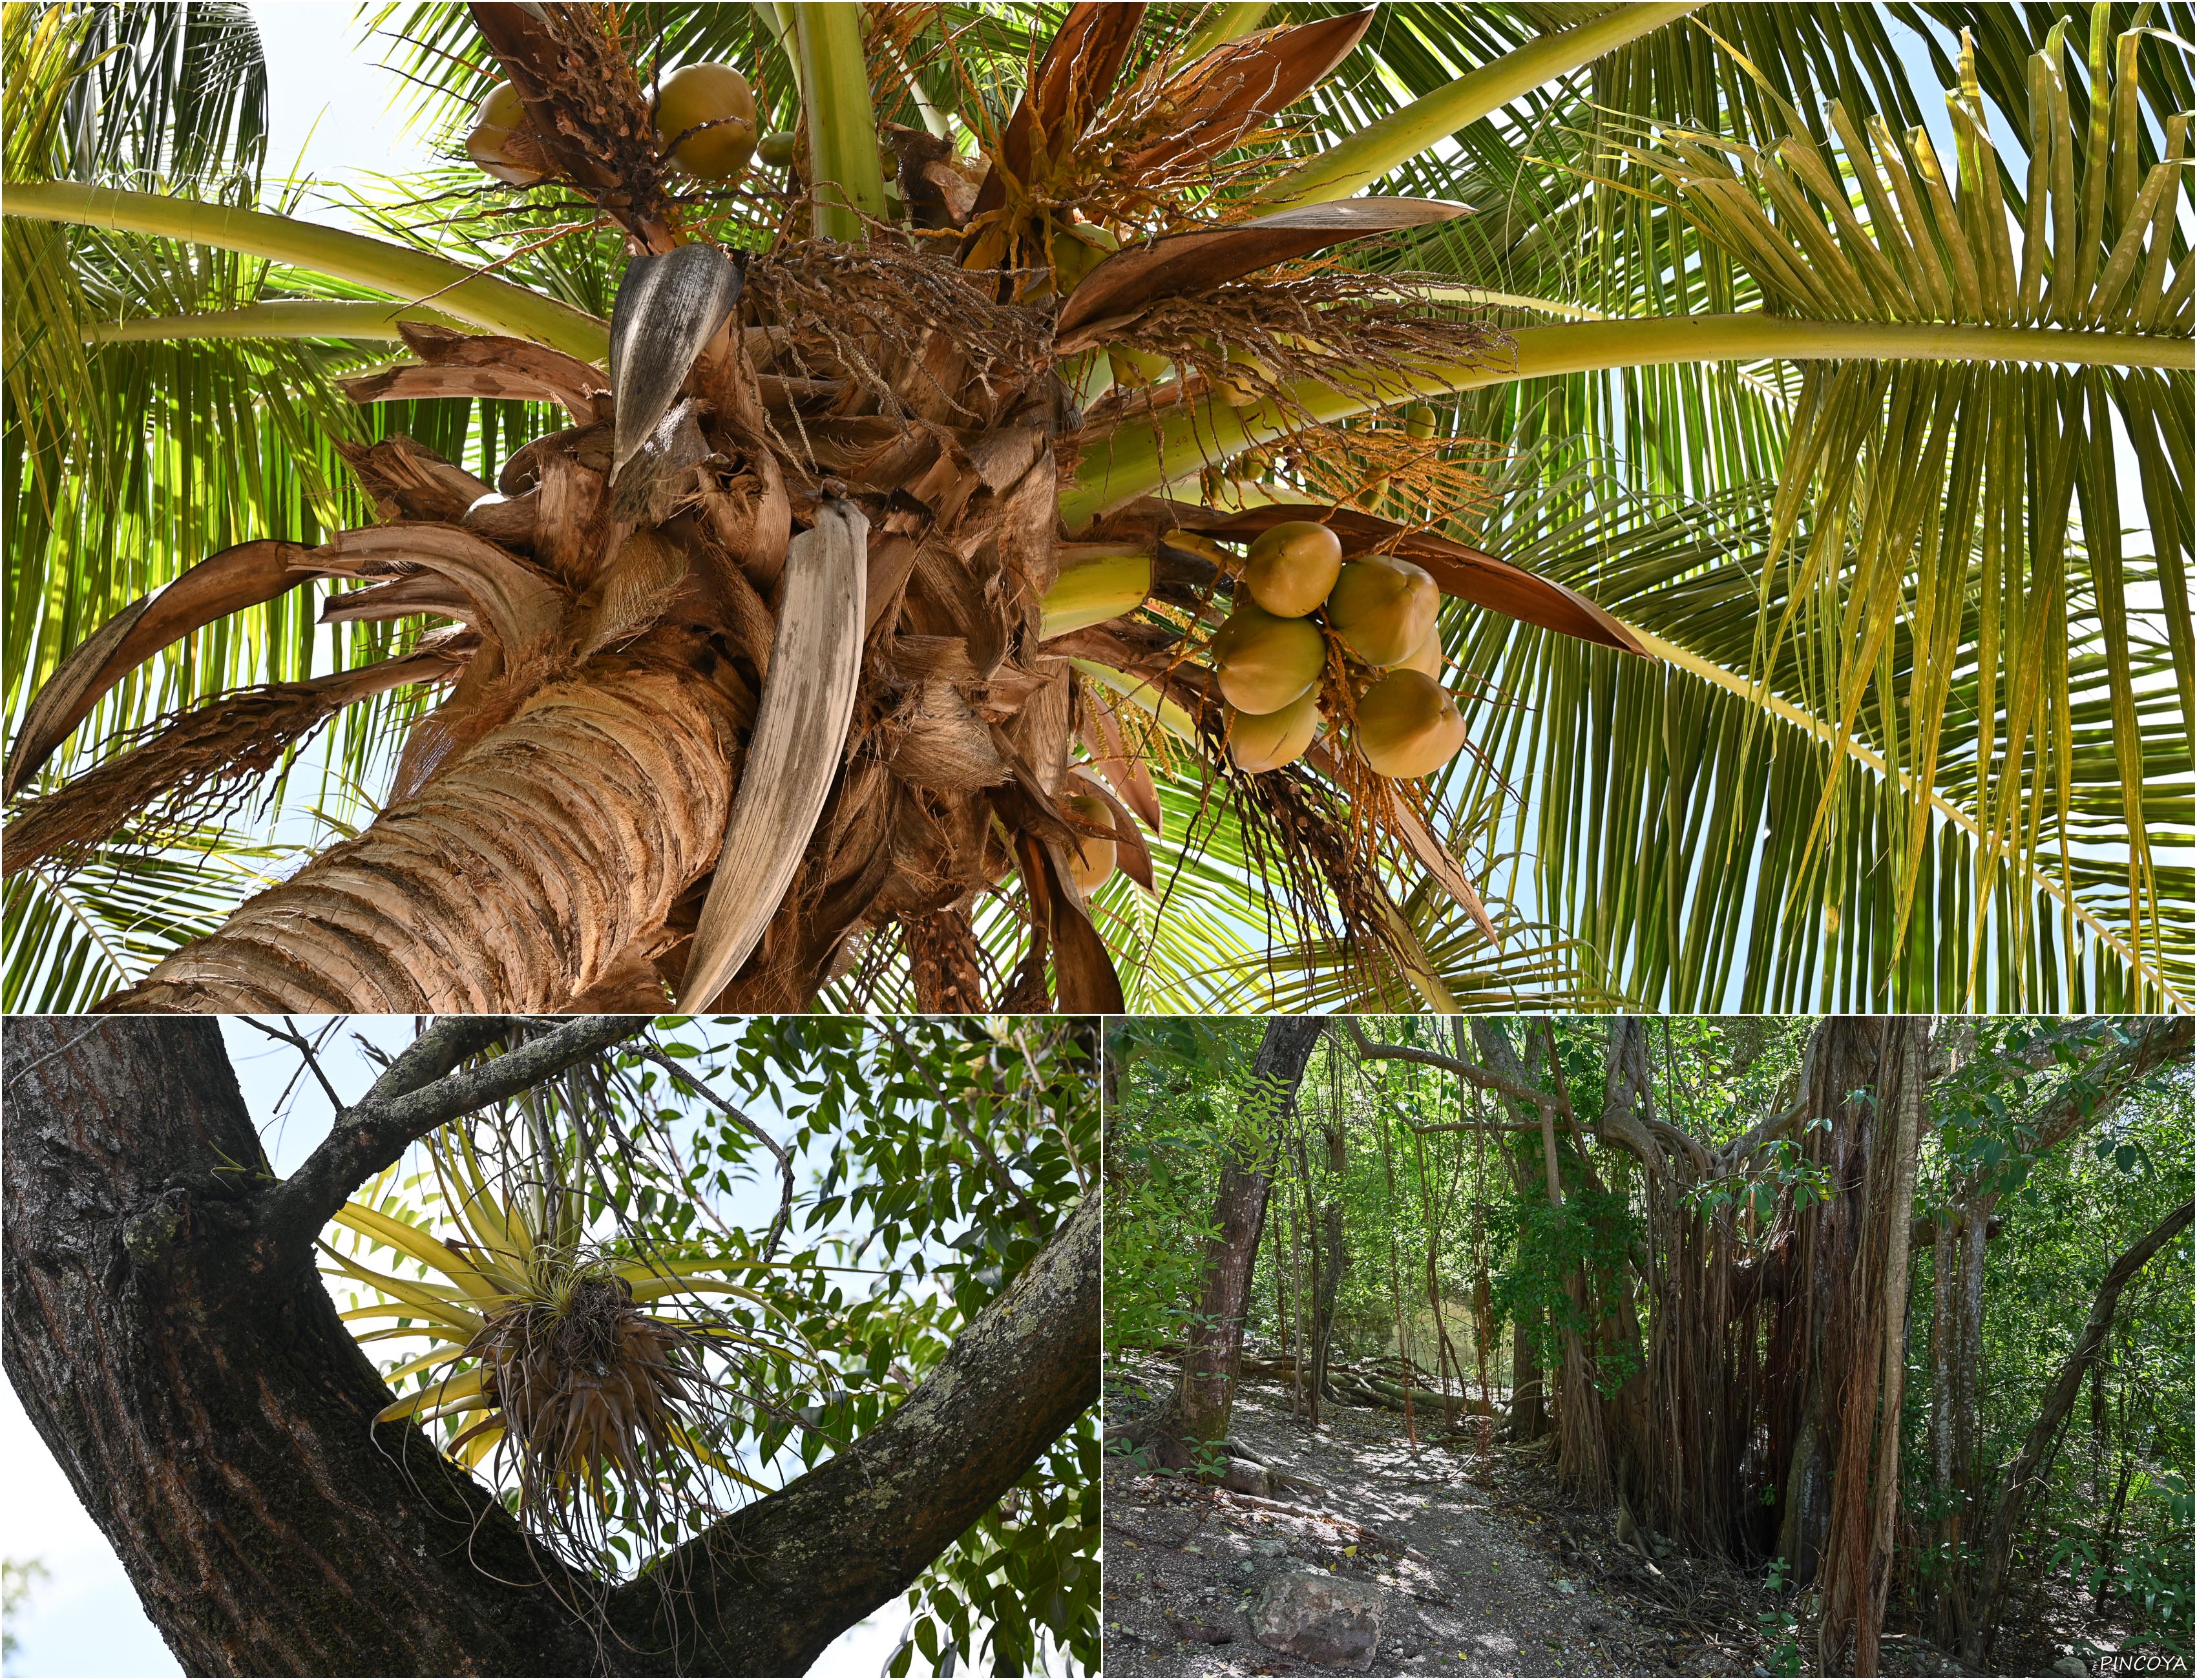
x=501 y=114
x=1407 y=725
x=1426 y=656
x=713 y=101
x=1383 y=608
x=1292 y=567
x=1268 y=741
x=1264 y=661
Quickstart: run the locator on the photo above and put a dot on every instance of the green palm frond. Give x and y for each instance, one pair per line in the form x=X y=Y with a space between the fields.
x=1919 y=734
x=1938 y=499
x=74 y=939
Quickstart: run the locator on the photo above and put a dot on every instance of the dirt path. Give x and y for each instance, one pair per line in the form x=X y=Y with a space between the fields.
x=1478 y=1570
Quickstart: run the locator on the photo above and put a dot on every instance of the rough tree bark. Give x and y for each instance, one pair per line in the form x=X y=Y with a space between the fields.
x=1582 y=1453
x=173 y=1346
x=526 y=876
x=1200 y=1407
x=1866 y=1344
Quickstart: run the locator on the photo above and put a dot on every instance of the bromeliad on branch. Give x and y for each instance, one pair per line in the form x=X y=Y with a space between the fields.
x=781 y=656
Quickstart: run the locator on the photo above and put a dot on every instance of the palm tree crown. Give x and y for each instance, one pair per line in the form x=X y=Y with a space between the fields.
x=876 y=572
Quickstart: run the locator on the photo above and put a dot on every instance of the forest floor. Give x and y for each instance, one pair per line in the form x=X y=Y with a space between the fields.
x=1481 y=1565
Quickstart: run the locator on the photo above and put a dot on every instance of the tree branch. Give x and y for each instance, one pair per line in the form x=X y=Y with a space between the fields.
x=773 y=1584
x=1483 y=1077
x=2083 y=1105
x=777 y=1150
x=419 y=1092
x=2036 y=1451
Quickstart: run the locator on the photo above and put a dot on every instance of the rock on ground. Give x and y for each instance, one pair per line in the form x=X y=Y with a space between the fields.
x=1332 y=1622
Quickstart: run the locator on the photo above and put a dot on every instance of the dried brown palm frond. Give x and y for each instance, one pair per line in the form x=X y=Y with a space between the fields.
x=183 y=772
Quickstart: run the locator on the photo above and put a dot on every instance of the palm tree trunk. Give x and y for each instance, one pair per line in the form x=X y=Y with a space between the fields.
x=519 y=879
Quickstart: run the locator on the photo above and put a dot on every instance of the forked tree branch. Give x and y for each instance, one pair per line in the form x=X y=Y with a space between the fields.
x=416 y=1093
x=1486 y=1078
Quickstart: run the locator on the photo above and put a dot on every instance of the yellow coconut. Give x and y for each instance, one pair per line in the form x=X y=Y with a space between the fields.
x=775 y=151
x=1092 y=856
x=1383 y=608
x=1279 y=738
x=1266 y=661
x=716 y=95
x=1292 y=567
x=1426 y=656
x=501 y=114
x=1407 y=725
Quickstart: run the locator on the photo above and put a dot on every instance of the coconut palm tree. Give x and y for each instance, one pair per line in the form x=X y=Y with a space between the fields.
x=1803 y=474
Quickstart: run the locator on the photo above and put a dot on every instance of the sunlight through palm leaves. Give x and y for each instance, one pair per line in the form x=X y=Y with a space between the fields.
x=1729 y=367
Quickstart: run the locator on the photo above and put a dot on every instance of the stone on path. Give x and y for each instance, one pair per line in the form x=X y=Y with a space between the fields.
x=1243 y=1476
x=1332 y=1622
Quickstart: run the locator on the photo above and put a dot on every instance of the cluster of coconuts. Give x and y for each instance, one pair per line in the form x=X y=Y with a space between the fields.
x=704 y=113
x=1271 y=656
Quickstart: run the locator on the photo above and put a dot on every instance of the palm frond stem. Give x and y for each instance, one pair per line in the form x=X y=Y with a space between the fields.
x=479 y=299
x=1369 y=153
x=300 y=318
x=1137 y=459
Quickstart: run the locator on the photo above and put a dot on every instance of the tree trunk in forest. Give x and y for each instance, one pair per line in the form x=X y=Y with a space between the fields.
x=1868 y=1344
x=1910 y=1058
x=1529 y=1413
x=1308 y=1340
x=173 y=1343
x=1338 y=1262
x=1996 y=1548
x=1582 y=1454
x=1953 y=1357
x=1200 y=1407
x=1811 y=1355
x=1804 y=1492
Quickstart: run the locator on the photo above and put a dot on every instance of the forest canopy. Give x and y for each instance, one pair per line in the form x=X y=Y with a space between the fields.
x=1896 y=1314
